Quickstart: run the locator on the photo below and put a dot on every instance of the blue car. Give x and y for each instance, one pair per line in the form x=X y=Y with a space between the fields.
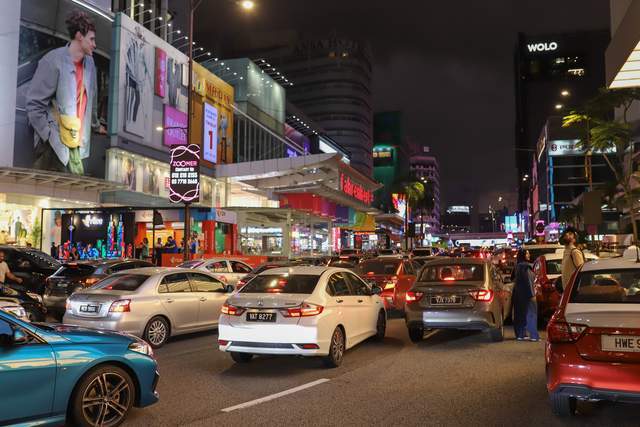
x=57 y=374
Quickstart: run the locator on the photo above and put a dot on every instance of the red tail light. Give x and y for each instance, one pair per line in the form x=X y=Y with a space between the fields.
x=223 y=342
x=449 y=279
x=304 y=310
x=121 y=306
x=484 y=295
x=412 y=296
x=232 y=310
x=560 y=331
x=90 y=281
x=241 y=283
x=308 y=346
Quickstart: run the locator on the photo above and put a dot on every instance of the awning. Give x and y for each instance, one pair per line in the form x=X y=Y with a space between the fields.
x=622 y=57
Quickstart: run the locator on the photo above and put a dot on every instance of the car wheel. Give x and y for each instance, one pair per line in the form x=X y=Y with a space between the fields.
x=381 y=326
x=103 y=397
x=241 y=357
x=562 y=405
x=156 y=333
x=416 y=333
x=336 y=349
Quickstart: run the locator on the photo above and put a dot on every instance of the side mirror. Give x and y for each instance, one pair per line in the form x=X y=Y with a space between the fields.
x=558 y=285
x=376 y=290
x=19 y=337
x=229 y=288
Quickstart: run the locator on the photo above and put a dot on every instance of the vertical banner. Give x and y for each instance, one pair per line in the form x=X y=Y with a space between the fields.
x=161 y=73
x=184 y=174
x=210 y=133
x=175 y=126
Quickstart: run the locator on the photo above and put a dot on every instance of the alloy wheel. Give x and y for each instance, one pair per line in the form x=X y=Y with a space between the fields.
x=157 y=332
x=106 y=400
x=337 y=345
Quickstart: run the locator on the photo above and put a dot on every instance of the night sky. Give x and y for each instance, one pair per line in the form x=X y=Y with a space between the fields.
x=447 y=65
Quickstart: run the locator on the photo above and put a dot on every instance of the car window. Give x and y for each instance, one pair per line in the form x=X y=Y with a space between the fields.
x=282 y=283
x=121 y=282
x=452 y=272
x=75 y=270
x=204 y=283
x=239 y=267
x=359 y=286
x=338 y=286
x=378 y=266
x=607 y=287
x=408 y=268
x=191 y=264
x=218 y=267
x=554 y=266
x=6 y=334
x=175 y=283
x=122 y=266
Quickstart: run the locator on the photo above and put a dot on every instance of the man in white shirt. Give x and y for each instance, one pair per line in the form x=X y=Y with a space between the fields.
x=5 y=272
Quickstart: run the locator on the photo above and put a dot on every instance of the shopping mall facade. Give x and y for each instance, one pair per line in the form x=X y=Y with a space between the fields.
x=265 y=189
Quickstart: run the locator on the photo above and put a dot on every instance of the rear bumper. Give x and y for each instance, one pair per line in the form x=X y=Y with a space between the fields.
x=56 y=303
x=594 y=394
x=457 y=318
x=123 y=324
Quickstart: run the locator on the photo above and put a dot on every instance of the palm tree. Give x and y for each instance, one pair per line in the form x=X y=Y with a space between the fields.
x=414 y=193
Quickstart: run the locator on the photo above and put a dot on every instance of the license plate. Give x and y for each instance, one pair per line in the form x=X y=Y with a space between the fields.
x=89 y=308
x=261 y=317
x=446 y=299
x=625 y=343
x=62 y=284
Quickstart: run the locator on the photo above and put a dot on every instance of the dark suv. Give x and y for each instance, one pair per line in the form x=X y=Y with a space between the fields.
x=31 y=265
x=74 y=276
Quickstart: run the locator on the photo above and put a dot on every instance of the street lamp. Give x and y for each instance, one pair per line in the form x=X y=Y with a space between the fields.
x=157 y=18
x=247 y=4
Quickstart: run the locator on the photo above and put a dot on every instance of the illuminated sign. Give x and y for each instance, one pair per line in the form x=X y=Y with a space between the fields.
x=210 y=133
x=175 y=126
x=539 y=228
x=92 y=221
x=458 y=209
x=355 y=190
x=400 y=204
x=542 y=47
x=184 y=174
x=571 y=147
x=382 y=154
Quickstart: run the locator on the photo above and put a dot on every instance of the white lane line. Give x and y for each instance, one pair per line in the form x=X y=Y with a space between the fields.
x=276 y=395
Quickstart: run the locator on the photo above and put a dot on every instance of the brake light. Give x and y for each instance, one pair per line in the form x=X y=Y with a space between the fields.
x=449 y=279
x=484 y=295
x=308 y=346
x=560 y=331
x=412 y=296
x=391 y=283
x=121 y=306
x=241 y=283
x=304 y=310
x=232 y=310
x=223 y=342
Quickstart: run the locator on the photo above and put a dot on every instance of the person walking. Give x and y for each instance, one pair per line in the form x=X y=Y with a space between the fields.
x=525 y=308
x=144 y=249
x=572 y=258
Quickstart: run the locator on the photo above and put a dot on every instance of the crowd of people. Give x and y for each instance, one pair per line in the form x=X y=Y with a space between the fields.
x=74 y=251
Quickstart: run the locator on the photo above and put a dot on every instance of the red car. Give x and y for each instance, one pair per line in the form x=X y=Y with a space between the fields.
x=394 y=275
x=593 y=339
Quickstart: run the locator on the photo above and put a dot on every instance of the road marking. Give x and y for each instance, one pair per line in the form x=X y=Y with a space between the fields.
x=276 y=395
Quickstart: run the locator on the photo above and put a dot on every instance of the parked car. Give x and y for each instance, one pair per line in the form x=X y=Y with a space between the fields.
x=303 y=311
x=153 y=303
x=593 y=347
x=535 y=250
x=14 y=309
x=547 y=269
x=466 y=293
x=75 y=276
x=229 y=271
x=82 y=376
x=394 y=275
x=31 y=302
x=267 y=266
x=31 y=265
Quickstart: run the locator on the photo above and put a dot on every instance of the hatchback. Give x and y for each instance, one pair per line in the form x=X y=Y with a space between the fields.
x=57 y=374
x=303 y=311
x=153 y=303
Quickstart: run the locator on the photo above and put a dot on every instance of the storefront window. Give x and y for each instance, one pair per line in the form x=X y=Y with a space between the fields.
x=19 y=224
x=261 y=240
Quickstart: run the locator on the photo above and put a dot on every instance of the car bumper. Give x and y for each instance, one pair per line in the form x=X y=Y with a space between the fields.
x=150 y=395
x=55 y=303
x=122 y=324
x=470 y=319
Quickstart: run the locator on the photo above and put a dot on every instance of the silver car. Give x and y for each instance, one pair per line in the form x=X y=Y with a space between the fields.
x=153 y=303
x=227 y=270
x=463 y=293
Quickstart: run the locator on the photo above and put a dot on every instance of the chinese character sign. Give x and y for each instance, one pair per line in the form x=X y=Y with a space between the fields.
x=210 y=133
x=184 y=175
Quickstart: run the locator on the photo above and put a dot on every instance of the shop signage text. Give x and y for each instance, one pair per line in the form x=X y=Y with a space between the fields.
x=542 y=47
x=216 y=93
x=175 y=126
x=184 y=174
x=92 y=221
x=571 y=147
x=210 y=133
x=355 y=190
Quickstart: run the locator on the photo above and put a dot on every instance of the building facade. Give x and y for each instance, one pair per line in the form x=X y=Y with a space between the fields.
x=425 y=168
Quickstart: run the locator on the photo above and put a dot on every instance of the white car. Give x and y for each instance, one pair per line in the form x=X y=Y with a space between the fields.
x=14 y=309
x=227 y=270
x=303 y=311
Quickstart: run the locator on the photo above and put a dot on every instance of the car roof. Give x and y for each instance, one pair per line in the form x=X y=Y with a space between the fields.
x=543 y=246
x=307 y=270
x=450 y=261
x=617 y=263
x=559 y=255
x=152 y=271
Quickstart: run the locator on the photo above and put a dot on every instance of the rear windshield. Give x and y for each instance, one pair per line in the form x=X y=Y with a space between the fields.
x=75 y=270
x=379 y=266
x=422 y=252
x=190 y=264
x=554 y=266
x=535 y=253
x=607 y=287
x=453 y=273
x=259 y=269
x=121 y=282
x=281 y=283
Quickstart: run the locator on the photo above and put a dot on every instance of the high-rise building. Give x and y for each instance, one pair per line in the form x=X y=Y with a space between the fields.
x=553 y=74
x=424 y=166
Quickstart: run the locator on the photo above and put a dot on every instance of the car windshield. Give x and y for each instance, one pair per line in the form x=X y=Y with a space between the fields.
x=607 y=287
x=121 y=282
x=75 y=270
x=379 y=266
x=554 y=266
x=452 y=273
x=43 y=260
x=281 y=284
x=191 y=264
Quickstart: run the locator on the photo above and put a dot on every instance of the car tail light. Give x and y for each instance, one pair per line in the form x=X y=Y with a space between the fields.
x=308 y=346
x=241 y=283
x=91 y=281
x=232 y=310
x=560 y=331
x=484 y=295
x=391 y=283
x=120 y=306
x=223 y=342
x=449 y=279
x=68 y=306
x=412 y=296
x=304 y=310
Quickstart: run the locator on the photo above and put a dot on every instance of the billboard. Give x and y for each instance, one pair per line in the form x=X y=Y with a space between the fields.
x=400 y=204
x=174 y=126
x=184 y=174
x=210 y=133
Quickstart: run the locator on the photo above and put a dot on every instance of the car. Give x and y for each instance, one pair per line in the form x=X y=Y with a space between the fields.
x=302 y=311
x=422 y=260
x=313 y=260
x=547 y=269
x=74 y=276
x=420 y=252
x=14 y=309
x=593 y=347
x=31 y=265
x=59 y=374
x=535 y=250
x=229 y=271
x=154 y=303
x=394 y=275
x=505 y=259
x=465 y=293
x=264 y=267
x=384 y=252
x=31 y=302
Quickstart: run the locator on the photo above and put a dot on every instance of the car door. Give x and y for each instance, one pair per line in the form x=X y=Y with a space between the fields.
x=501 y=291
x=27 y=376
x=238 y=271
x=21 y=266
x=180 y=302
x=368 y=306
x=219 y=269
x=346 y=305
x=212 y=294
x=406 y=278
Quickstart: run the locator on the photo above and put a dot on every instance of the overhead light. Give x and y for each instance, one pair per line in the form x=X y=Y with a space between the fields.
x=558 y=106
x=247 y=4
x=564 y=93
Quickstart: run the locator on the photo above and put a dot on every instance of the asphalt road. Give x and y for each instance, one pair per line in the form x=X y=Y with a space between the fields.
x=451 y=378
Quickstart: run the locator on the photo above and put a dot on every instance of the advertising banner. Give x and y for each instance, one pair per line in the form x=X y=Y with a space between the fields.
x=175 y=126
x=184 y=174
x=210 y=133
x=161 y=73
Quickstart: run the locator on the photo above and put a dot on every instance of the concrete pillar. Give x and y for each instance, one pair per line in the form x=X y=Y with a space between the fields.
x=286 y=236
x=330 y=236
x=9 y=41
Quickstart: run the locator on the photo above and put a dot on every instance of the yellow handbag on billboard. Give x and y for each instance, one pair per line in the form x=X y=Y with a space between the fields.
x=69 y=126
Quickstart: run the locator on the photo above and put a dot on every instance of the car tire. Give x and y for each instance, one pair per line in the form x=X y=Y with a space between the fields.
x=157 y=332
x=562 y=405
x=416 y=333
x=381 y=326
x=103 y=396
x=336 y=349
x=241 y=357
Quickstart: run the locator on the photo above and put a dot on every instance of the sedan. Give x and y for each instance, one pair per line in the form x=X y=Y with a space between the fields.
x=55 y=375
x=466 y=293
x=32 y=303
x=230 y=271
x=153 y=303
x=303 y=311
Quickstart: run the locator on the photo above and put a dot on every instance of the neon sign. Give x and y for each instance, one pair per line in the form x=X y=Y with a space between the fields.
x=355 y=190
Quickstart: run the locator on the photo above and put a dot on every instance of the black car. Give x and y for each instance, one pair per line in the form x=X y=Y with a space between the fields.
x=32 y=303
x=74 y=276
x=31 y=265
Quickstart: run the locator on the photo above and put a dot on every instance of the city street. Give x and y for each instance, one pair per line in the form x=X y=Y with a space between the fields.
x=451 y=378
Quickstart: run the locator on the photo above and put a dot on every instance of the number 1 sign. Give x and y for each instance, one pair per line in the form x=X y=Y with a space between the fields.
x=210 y=134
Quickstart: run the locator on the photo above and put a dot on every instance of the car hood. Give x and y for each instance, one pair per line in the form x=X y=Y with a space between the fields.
x=81 y=335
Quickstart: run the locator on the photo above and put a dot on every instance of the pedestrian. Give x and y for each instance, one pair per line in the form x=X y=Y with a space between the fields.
x=5 y=272
x=157 y=252
x=572 y=258
x=525 y=307
x=73 y=254
x=144 y=249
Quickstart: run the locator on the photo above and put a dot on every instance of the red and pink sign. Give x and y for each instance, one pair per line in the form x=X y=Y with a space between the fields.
x=161 y=72
x=355 y=190
x=175 y=126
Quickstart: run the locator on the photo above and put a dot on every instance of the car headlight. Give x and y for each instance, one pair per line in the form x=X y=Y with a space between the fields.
x=141 y=347
x=35 y=296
